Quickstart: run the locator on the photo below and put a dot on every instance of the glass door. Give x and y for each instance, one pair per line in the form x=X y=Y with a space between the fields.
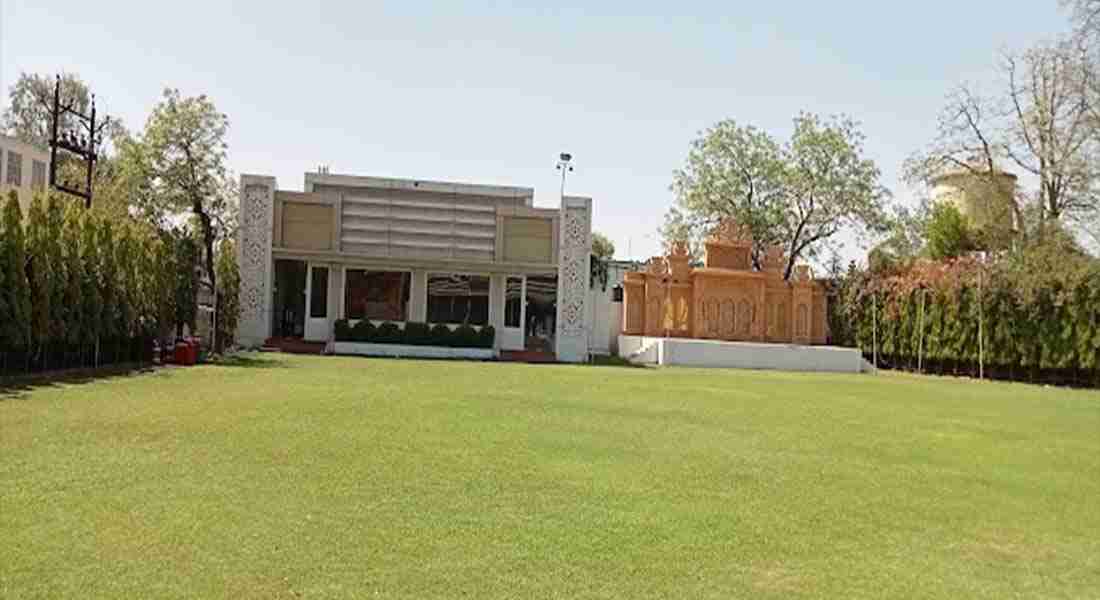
x=317 y=304
x=515 y=308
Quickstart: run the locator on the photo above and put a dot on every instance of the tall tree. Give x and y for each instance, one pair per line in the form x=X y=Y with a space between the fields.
x=30 y=102
x=39 y=275
x=186 y=159
x=15 y=326
x=229 y=280
x=1041 y=124
x=800 y=194
x=602 y=246
x=731 y=171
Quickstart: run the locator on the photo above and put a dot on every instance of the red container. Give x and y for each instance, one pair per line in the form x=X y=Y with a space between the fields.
x=182 y=351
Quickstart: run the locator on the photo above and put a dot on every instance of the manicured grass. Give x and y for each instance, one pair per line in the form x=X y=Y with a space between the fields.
x=323 y=477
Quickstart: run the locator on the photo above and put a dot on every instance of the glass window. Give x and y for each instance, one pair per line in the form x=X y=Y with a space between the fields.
x=15 y=168
x=376 y=295
x=513 y=302
x=318 y=293
x=617 y=293
x=458 y=299
x=38 y=175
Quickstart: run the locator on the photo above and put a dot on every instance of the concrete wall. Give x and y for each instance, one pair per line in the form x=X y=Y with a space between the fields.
x=738 y=355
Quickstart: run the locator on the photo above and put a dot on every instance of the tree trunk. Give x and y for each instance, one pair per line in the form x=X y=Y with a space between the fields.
x=208 y=265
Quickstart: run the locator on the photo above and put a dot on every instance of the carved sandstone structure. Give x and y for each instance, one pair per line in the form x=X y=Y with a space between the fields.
x=726 y=299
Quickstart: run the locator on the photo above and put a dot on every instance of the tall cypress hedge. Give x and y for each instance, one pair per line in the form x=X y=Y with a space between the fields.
x=1039 y=315
x=79 y=288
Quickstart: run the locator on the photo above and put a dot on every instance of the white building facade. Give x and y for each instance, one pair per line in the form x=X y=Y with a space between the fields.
x=414 y=251
x=23 y=168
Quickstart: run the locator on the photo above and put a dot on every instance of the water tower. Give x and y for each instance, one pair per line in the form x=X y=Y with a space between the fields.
x=985 y=198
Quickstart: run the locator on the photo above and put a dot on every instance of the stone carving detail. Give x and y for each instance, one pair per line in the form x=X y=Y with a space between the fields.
x=657 y=267
x=574 y=258
x=255 y=241
x=774 y=259
x=728 y=299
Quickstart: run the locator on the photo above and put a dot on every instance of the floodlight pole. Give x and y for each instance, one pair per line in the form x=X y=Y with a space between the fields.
x=565 y=165
x=981 y=327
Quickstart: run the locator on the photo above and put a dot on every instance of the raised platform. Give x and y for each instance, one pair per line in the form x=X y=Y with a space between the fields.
x=739 y=355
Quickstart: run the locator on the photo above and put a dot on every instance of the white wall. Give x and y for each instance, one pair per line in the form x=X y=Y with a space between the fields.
x=739 y=355
x=605 y=314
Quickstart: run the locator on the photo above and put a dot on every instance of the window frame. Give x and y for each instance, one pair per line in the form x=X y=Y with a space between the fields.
x=488 y=298
x=344 y=305
x=18 y=161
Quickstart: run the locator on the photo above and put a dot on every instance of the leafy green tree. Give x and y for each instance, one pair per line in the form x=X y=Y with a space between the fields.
x=59 y=311
x=602 y=246
x=30 y=101
x=15 y=324
x=107 y=268
x=91 y=300
x=229 y=282
x=185 y=284
x=799 y=195
x=74 y=274
x=948 y=233
x=38 y=275
x=185 y=156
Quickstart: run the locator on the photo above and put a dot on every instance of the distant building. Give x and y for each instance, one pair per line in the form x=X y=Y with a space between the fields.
x=23 y=168
x=409 y=250
x=985 y=198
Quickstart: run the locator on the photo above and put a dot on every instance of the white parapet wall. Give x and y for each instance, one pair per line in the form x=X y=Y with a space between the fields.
x=738 y=355
x=403 y=351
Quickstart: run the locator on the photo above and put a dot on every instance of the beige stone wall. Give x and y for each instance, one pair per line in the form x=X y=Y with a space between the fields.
x=307 y=226
x=724 y=300
x=528 y=239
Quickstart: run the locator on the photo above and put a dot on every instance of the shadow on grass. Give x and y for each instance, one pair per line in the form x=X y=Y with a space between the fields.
x=19 y=385
x=250 y=361
x=615 y=361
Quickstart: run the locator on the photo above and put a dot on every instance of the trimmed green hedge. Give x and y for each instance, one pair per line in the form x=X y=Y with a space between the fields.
x=1040 y=314
x=415 y=334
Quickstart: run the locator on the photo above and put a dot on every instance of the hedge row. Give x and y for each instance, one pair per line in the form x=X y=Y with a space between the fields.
x=1038 y=317
x=415 y=334
x=82 y=289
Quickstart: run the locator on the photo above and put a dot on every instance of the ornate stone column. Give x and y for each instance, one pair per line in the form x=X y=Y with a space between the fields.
x=574 y=254
x=254 y=258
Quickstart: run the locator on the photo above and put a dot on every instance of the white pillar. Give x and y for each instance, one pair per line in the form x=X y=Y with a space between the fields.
x=418 y=297
x=254 y=258
x=574 y=253
x=496 y=306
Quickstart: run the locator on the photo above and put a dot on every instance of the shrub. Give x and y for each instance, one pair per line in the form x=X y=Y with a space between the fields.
x=363 y=332
x=418 y=334
x=464 y=337
x=342 y=330
x=388 y=333
x=440 y=336
x=486 y=337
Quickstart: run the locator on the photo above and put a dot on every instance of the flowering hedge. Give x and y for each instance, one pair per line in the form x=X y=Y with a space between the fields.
x=1039 y=316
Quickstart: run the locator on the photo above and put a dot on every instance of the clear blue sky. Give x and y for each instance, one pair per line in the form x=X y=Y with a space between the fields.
x=491 y=93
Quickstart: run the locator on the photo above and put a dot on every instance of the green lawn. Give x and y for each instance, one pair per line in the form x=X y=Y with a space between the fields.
x=323 y=477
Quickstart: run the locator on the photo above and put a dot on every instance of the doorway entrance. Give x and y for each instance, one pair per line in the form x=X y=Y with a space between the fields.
x=530 y=313
x=541 y=315
x=316 y=326
x=288 y=313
